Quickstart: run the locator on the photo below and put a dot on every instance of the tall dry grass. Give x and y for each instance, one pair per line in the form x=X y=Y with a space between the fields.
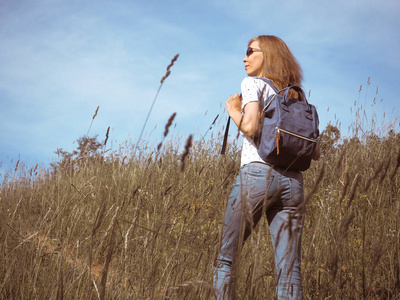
x=135 y=224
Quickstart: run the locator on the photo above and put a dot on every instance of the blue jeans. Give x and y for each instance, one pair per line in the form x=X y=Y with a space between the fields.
x=279 y=194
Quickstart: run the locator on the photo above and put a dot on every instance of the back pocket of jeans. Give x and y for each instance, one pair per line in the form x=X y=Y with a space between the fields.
x=258 y=183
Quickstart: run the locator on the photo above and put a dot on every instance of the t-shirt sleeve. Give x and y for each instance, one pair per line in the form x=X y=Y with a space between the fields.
x=249 y=89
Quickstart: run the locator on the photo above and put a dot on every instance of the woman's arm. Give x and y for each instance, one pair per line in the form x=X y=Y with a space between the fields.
x=247 y=122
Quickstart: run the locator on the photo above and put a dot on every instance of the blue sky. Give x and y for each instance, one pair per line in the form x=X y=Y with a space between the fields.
x=59 y=60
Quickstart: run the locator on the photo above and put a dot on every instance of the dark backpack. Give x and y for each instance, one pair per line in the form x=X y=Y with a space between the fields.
x=289 y=130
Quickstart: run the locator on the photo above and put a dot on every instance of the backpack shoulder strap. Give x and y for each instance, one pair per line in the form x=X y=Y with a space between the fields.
x=223 y=149
x=266 y=80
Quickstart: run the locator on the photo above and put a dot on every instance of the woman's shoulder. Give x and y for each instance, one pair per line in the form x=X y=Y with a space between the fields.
x=256 y=83
x=251 y=83
x=250 y=80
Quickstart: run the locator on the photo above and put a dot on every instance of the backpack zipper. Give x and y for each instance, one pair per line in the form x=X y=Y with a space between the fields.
x=278 y=137
x=294 y=134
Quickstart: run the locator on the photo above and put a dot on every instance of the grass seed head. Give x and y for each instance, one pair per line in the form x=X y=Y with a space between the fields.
x=186 y=151
x=169 y=123
x=168 y=68
x=108 y=131
x=95 y=113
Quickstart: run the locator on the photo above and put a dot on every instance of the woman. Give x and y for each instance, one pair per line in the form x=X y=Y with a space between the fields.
x=259 y=187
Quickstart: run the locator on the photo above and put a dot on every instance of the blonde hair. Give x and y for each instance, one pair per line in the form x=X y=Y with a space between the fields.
x=280 y=66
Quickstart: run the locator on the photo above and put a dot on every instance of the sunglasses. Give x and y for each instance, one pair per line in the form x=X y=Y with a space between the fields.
x=251 y=50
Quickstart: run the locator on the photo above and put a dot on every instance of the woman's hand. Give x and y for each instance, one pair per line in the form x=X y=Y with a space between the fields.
x=234 y=103
x=247 y=122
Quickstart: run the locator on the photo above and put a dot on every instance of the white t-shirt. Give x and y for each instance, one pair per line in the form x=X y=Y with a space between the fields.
x=251 y=91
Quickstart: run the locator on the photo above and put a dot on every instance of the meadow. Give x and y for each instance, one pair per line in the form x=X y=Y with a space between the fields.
x=144 y=221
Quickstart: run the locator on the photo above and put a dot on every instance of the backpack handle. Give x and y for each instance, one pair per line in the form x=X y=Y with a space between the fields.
x=297 y=89
x=285 y=97
x=301 y=95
